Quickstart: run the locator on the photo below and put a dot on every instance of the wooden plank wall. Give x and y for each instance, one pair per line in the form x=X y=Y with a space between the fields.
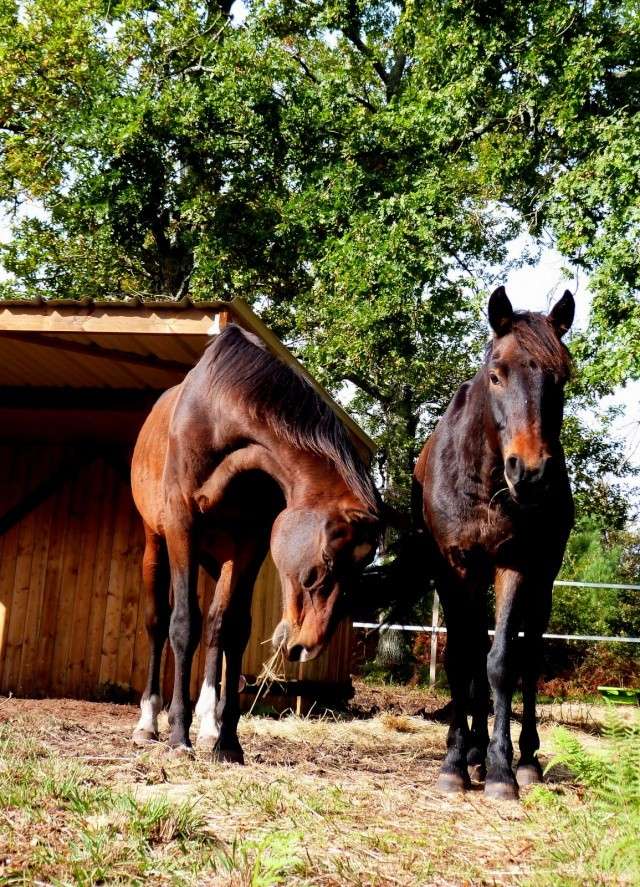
x=71 y=608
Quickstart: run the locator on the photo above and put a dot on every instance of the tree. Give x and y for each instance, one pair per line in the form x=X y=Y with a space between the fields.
x=355 y=169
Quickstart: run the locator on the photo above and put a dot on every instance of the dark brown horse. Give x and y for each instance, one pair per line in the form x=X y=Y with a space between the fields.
x=493 y=493
x=242 y=456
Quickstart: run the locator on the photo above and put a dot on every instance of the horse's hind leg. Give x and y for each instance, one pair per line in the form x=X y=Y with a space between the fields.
x=529 y=770
x=155 y=577
x=479 y=697
x=454 y=776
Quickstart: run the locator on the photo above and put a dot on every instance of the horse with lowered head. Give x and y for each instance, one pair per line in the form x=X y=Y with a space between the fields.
x=493 y=496
x=243 y=456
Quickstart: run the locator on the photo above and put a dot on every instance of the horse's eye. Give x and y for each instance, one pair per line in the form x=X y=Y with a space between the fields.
x=495 y=380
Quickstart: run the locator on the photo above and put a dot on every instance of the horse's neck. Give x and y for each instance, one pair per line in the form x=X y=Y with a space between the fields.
x=307 y=478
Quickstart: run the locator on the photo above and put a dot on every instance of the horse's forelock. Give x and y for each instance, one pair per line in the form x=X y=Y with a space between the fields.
x=535 y=335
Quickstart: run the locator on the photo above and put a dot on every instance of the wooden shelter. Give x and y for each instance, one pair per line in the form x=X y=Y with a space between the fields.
x=76 y=382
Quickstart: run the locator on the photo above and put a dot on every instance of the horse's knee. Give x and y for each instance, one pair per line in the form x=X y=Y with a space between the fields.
x=498 y=672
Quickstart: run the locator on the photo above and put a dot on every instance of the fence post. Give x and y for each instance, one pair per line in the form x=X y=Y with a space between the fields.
x=435 y=619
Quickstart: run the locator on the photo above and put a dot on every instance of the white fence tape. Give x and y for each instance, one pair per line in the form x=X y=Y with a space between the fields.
x=598 y=638
x=597 y=585
x=552 y=637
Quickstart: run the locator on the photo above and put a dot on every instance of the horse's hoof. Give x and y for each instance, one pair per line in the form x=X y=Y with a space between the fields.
x=501 y=791
x=228 y=756
x=181 y=750
x=141 y=738
x=452 y=783
x=528 y=774
x=477 y=772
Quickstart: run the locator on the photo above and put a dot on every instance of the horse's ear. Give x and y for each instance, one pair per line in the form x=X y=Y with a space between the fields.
x=562 y=314
x=500 y=312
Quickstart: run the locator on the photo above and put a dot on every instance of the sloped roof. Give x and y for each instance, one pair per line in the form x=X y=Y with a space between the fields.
x=118 y=345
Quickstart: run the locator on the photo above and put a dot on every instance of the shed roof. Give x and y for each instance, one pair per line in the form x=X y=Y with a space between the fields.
x=124 y=345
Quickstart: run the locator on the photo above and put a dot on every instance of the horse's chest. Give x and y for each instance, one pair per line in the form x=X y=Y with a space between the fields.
x=479 y=543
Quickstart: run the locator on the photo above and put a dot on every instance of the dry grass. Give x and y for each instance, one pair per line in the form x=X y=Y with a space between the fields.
x=400 y=723
x=321 y=802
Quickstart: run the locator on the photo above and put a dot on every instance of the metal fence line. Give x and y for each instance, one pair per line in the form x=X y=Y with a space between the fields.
x=597 y=585
x=434 y=629
x=552 y=637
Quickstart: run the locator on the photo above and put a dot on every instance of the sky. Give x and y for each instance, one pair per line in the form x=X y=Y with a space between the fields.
x=537 y=288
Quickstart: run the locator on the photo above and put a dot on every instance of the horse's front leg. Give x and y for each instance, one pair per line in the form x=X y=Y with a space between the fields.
x=228 y=628
x=479 y=696
x=538 y=608
x=207 y=706
x=501 y=670
x=184 y=628
x=237 y=628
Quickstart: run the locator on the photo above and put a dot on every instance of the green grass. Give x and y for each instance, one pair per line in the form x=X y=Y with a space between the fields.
x=321 y=802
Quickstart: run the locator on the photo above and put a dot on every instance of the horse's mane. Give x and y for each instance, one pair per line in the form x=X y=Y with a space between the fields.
x=534 y=334
x=241 y=367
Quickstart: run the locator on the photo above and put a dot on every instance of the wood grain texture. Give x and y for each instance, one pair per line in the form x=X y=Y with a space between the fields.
x=71 y=603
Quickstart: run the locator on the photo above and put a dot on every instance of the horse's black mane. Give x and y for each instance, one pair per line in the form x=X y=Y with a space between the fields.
x=535 y=335
x=241 y=366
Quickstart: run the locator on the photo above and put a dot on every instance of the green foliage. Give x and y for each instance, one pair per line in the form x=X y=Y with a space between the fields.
x=595 y=836
x=597 y=553
x=355 y=169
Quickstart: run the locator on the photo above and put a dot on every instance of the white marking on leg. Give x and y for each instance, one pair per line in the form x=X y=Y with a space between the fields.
x=150 y=709
x=206 y=711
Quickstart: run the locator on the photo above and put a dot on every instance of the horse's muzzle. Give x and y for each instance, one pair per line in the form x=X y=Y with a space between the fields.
x=285 y=639
x=280 y=635
x=527 y=485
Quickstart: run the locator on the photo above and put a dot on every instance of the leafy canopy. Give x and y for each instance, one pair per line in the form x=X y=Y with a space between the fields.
x=355 y=169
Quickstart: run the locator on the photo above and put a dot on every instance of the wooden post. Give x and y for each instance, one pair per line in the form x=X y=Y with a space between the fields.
x=435 y=619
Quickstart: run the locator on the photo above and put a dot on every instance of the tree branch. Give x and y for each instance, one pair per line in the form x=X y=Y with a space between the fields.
x=311 y=76
x=366 y=386
x=352 y=33
x=395 y=75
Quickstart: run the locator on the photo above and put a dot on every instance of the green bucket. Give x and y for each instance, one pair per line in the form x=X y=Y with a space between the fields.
x=620 y=695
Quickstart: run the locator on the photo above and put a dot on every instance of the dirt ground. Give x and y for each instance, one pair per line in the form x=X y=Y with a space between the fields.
x=331 y=800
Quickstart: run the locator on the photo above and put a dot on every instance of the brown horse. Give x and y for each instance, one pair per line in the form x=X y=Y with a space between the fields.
x=493 y=494
x=243 y=455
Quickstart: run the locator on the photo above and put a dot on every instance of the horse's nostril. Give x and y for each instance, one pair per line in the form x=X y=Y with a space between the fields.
x=294 y=653
x=514 y=469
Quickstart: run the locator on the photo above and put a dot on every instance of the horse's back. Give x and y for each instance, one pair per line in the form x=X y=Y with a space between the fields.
x=149 y=455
